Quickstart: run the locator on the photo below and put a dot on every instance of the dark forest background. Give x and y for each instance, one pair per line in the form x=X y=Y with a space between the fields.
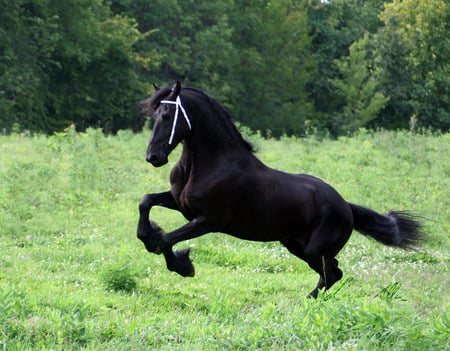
x=280 y=66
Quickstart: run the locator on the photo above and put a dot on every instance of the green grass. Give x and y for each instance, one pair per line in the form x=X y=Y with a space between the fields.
x=73 y=276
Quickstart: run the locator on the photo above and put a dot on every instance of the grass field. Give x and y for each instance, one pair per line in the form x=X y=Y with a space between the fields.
x=73 y=276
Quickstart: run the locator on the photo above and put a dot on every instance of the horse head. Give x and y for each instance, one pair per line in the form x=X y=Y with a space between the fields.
x=171 y=126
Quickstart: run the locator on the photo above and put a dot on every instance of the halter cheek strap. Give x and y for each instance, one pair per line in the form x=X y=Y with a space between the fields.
x=178 y=107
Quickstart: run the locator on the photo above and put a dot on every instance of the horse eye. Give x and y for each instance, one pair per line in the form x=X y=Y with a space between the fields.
x=165 y=117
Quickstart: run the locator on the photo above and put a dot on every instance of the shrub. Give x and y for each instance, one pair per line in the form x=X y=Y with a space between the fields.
x=119 y=278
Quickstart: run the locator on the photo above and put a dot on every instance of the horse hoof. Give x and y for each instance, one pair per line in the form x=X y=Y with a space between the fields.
x=182 y=264
x=313 y=294
x=151 y=236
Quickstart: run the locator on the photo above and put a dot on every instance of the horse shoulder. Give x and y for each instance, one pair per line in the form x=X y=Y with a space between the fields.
x=179 y=177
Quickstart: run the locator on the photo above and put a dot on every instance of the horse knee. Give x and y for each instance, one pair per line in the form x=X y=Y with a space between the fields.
x=144 y=205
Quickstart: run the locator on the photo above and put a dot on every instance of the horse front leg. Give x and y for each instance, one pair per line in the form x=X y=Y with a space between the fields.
x=178 y=260
x=148 y=231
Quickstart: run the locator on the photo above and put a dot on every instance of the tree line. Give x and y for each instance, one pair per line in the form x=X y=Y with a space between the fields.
x=280 y=66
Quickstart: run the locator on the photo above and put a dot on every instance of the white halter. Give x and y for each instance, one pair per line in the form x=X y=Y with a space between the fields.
x=178 y=105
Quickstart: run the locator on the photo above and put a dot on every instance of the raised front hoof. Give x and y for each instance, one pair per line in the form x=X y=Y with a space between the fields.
x=181 y=263
x=152 y=246
x=151 y=237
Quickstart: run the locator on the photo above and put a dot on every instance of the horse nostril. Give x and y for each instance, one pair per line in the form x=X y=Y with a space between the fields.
x=152 y=159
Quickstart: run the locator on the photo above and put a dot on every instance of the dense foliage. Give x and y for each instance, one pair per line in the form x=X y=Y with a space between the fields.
x=282 y=67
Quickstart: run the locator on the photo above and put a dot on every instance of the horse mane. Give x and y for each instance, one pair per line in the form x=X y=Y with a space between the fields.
x=227 y=127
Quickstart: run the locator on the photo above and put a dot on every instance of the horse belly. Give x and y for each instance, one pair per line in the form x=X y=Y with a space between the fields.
x=270 y=224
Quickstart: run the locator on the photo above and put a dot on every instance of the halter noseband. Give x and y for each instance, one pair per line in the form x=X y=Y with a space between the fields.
x=178 y=105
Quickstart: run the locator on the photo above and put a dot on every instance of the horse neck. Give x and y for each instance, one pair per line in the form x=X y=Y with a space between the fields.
x=219 y=162
x=214 y=139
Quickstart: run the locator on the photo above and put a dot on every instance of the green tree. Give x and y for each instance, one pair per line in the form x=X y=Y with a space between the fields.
x=357 y=88
x=67 y=62
x=28 y=38
x=193 y=43
x=96 y=83
x=274 y=66
x=251 y=55
x=333 y=26
x=414 y=58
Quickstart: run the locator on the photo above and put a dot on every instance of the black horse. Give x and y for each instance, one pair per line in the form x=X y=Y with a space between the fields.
x=220 y=186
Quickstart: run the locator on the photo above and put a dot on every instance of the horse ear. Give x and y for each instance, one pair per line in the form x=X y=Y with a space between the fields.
x=155 y=87
x=176 y=88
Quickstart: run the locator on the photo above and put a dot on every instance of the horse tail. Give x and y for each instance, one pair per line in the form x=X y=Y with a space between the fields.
x=396 y=228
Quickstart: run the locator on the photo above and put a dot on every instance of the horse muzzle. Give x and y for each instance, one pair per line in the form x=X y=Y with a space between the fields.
x=157 y=159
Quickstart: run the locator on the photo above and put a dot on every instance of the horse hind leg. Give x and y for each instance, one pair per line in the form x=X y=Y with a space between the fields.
x=323 y=246
x=327 y=268
x=320 y=254
x=328 y=271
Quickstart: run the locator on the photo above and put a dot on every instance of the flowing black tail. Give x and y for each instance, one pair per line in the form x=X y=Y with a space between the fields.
x=396 y=228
